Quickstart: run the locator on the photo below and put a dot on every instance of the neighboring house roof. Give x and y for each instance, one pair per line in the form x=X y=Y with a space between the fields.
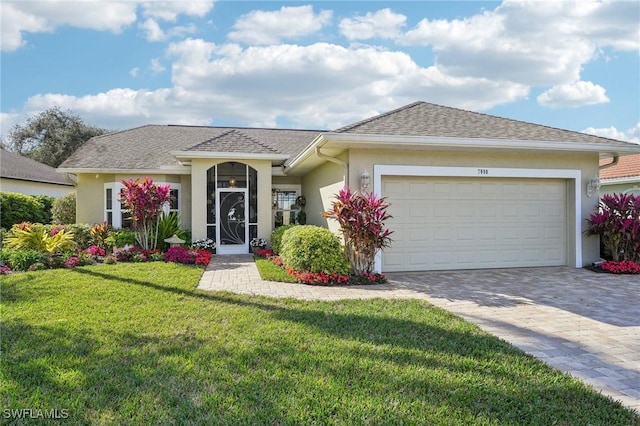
x=426 y=119
x=163 y=146
x=628 y=167
x=14 y=166
x=151 y=146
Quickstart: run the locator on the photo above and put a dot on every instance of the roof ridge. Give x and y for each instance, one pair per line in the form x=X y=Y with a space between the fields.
x=377 y=117
x=227 y=133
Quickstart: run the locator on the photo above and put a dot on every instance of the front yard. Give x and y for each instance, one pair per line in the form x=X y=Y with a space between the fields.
x=135 y=343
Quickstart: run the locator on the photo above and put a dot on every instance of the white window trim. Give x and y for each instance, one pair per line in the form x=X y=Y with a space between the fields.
x=116 y=211
x=381 y=170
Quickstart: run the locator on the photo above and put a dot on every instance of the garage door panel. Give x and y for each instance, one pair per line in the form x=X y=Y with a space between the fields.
x=458 y=223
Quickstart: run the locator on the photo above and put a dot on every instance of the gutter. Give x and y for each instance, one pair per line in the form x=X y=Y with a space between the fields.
x=344 y=164
x=616 y=158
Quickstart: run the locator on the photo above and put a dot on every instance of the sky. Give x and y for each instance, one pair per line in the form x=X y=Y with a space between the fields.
x=322 y=64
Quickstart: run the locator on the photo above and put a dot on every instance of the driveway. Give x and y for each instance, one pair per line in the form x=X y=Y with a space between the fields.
x=581 y=322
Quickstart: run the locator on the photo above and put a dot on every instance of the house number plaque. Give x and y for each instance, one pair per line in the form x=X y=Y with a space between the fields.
x=483 y=171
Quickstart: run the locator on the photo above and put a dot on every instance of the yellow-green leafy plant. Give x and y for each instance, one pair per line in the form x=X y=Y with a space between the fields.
x=35 y=237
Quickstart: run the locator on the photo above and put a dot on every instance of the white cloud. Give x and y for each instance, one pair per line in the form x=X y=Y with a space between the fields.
x=529 y=42
x=270 y=27
x=382 y=24
x=44 y=16
x=152 y=30
x=7 y=121
x=630 y=135
x=170 y=10
x=572 y=95
x=134 y=72
x=156 y=67
x=20 y=17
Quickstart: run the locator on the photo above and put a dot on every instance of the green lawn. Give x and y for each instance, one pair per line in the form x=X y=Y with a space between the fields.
x=137 y=344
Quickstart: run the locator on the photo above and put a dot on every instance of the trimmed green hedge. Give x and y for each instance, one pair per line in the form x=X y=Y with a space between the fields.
x=276 y=237
x=17 y=208
x=310 y=248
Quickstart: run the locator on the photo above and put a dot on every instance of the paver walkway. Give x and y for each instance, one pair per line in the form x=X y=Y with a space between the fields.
x=580 y=322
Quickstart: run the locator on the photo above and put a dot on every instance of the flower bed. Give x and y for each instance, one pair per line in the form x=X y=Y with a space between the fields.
x=620 y=267
x=328 y=279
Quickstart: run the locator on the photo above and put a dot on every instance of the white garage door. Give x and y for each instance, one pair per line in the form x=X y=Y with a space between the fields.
x=442 y=223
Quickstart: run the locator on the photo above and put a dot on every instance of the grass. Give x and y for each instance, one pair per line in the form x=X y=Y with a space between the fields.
x=270 y=272
x=137 y=344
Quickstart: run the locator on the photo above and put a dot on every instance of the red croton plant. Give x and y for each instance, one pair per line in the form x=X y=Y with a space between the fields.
x=144 y=201
x=617 y=222
x=361 y=218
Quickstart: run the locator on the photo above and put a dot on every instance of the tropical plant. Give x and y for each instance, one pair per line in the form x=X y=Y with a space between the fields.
x=166 y=226
x=36 y=237
x=617 y=222
x=22 y=259
x=121 y=238
x=144 y=200
x=361 y=218
x=63 y=210
x=309 y=248
x=204 y=244
x=99 y=234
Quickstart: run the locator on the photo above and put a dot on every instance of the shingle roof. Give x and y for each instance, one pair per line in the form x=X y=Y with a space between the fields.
x=628 y=166
x=150 y=147
x=426 y=119
x=14 y=166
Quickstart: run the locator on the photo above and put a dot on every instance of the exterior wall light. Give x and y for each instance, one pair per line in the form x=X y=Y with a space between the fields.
x=593 y=186
x=365 y=181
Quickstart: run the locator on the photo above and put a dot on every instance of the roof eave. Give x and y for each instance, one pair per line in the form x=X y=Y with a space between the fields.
x=187 y=155
x=168 y=170
x=620 y=180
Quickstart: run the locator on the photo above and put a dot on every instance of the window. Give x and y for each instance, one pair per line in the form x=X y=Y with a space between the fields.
x=115 y=212
x=284 y=205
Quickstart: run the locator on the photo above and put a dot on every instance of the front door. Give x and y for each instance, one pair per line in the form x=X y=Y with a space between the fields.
x=232 y=233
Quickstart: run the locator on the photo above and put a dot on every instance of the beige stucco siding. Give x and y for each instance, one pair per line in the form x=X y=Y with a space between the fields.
x=319 y=187
x=90 y=201
x=587 y=164
x=199 y=169
x=35 y=188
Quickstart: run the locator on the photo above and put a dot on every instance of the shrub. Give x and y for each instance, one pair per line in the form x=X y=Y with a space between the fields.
x=361 y=218
x=110 y=259
x=47 y=204
x=72 y=262
x=166 y=227
x=38 y=266
x=99 y=233
x=121 y=238
x=622 y=267
x=22 y=259
x=187 y=256
x=617 y=222
x=17 y=208
x=309 y=248
x=63 y=210
x=36 y=237
x=5 y=270
x=81 y=235
x=276 y=237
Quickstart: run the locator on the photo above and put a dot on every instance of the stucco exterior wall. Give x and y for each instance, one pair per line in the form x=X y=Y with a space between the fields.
x=199 y=169
x=587 y=164
x=319 y=187
x=90 y=201
x=35 y=188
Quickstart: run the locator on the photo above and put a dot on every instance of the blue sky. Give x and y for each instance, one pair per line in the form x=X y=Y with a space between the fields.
x=320 y=65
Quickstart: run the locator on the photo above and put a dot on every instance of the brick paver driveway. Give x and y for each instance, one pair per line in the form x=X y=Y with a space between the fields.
x=581 y=322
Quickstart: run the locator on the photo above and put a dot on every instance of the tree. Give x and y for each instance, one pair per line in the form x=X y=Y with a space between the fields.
x=361 y=218
x=144 y=201
x=51 y=136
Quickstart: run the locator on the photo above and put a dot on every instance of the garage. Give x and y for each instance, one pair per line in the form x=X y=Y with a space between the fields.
x=445 y=223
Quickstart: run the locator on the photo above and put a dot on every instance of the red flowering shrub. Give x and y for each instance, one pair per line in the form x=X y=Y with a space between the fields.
x=277 y=260
x=620 y=267
x=319 y=278
x=56 y=229
x=5 y=270
x=71 y=262
x=136 y=254
x=266 y=253
x=95 y=251
x=187 y=256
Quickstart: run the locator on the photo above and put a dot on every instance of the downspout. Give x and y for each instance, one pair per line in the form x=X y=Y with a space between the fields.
x=337 y=161
x=616 y=158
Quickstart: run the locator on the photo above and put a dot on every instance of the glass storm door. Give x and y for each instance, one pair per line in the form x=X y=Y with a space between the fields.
x=232 y=232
